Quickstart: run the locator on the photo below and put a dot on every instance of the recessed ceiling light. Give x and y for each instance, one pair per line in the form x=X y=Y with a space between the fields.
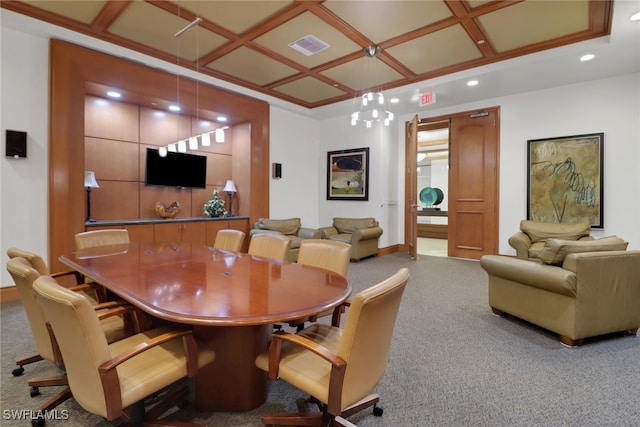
x=394 y=100
x=472 y=83
x=113 y=94
x=174 y=107
x=221 y=118
x=587 y=57
x=635 y=17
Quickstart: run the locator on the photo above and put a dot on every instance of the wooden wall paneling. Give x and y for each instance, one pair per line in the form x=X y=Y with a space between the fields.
x=150 y=195
x=115 y=200
x=74 y=69
x=219 y=169
x=160 y=127
x=212 y=228
x=109 y=119
x=171 y=232
x=243 y=158
x=112 y=160
x=200 y=196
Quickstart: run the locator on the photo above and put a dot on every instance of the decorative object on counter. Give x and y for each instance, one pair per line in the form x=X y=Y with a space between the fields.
x=432 y=197
x=230 y=188
x=215 y=206
x=170 y=211
x=89 y=183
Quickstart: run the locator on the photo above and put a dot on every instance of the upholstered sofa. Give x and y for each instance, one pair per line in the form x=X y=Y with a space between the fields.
x=290 y=227
x=361 y=233
x=529 y=241
x=579 y=289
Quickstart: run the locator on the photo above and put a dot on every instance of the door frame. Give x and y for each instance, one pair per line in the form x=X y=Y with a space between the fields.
x=411 y=165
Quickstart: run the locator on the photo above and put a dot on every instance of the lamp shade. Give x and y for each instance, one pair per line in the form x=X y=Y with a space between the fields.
x=229 y=186
x=90 y=180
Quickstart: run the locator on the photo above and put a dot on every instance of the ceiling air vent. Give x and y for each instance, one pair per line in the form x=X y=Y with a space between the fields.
x=308 y=45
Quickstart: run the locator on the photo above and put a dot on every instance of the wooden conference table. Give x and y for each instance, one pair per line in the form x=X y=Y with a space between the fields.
x=231 y=299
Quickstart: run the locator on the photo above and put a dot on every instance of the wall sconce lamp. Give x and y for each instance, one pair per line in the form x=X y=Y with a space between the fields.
x=230 y=188
x=89 y=183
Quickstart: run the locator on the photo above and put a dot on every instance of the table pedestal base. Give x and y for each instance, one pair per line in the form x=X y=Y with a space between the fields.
x=232 y=383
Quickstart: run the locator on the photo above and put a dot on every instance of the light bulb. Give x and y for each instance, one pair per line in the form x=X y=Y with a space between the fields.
x=193 y=143
x=182 y=146
x=171 y=148
x=205 y=139
x=368 y=123
x=162 y=151
x=374 y=113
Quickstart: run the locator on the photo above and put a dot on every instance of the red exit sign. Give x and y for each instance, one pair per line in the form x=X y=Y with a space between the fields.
x=427 y=98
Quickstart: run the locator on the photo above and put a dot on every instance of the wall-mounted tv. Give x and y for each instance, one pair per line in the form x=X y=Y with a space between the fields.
x=176 y=169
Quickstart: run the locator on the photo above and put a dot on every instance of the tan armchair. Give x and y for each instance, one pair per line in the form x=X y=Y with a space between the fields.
x=91 y=239
x=573 y=293
x=291 y=228
x=273 y=246
x=112 y=326
x=112 y=380
x=339 y=368
x=362 y=234
x=230 y=240
x=529 y=241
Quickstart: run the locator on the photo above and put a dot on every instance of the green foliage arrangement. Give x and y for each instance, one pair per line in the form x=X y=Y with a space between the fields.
x=215 y=206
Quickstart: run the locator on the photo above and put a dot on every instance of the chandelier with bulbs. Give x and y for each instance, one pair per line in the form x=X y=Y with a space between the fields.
x=373 y=106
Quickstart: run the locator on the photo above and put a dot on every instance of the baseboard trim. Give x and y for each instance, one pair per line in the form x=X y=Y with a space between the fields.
x=8 y=294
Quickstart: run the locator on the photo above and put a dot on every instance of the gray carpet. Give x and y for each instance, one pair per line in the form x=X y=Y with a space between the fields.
x=453 y=363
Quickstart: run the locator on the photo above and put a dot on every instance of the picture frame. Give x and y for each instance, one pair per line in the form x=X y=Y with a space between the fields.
x=565 y=179
x=348 y=174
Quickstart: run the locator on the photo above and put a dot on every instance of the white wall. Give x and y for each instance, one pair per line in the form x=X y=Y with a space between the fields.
x=293 y=143
x=611 y=106
x=24 y=95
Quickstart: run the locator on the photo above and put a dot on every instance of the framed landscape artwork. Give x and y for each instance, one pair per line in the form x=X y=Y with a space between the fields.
x=348 y=174
x=564 y=182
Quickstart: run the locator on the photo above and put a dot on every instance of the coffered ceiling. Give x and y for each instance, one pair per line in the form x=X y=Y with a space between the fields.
x=250 y=43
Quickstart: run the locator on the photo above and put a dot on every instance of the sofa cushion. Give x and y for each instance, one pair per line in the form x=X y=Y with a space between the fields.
x=555 y=250
x=541 y=231
x=285 y=226
x=351 y=225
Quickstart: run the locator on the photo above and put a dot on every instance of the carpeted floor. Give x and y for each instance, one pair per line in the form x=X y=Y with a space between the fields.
x=453 y=363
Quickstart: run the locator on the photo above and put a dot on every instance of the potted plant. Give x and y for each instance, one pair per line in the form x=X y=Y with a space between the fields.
x=215 y=206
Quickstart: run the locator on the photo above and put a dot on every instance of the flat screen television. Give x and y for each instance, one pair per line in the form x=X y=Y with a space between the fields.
x=176 y=170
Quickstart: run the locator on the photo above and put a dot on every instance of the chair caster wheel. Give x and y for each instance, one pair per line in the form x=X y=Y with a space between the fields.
x=35 y=391
x=18 y=371
x=38 y=422
x=377 y=410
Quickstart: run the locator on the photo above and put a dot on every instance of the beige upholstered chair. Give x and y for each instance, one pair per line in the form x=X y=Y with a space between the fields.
x=328 y=254
x=339 y=368
x=106 y=379
x=113 y=325
x=90 y=239
x=362 y=234
x=530 y=240
x=269 y=246
x=578 y=290
x=230 y=240
x=93 y=291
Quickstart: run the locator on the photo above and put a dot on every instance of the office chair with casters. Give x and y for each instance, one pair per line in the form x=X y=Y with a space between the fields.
x=338 y=367
x=328 y=254
x=113 y=380
x=46 y=346
x=229 y=239
x=269 y=246
x=91 y=239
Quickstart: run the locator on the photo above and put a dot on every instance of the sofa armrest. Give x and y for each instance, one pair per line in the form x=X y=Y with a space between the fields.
x=327 y=232
x=254 y=231
x=547 y=277
x=366 y=234
x=309 y=233
x=521 y=243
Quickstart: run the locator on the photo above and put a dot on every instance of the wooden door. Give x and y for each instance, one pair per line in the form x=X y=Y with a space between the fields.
x=411 y=188
x=473 y=185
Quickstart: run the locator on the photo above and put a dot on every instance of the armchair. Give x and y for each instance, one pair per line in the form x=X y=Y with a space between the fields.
x=288 y=227
x=573 y=293
x=339 y=368
x=361 y=233
x=529 y=241
x=112 y=380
